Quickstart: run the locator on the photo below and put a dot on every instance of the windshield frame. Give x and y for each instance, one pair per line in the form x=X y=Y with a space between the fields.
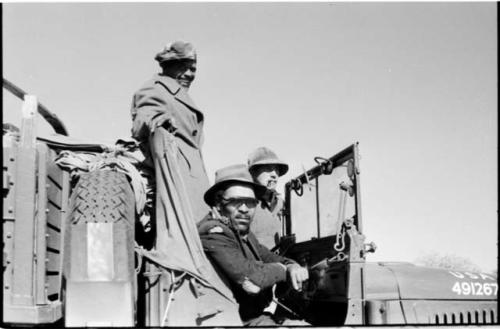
x=349 y=153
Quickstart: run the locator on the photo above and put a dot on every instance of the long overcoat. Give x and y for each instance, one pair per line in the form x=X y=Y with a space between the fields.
x=163 y=94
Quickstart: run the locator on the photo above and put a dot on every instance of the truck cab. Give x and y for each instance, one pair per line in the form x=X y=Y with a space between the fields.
x=323 y=230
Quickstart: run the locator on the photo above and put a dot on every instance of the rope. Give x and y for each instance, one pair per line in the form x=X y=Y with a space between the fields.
x=175 y=284
x=169 y=300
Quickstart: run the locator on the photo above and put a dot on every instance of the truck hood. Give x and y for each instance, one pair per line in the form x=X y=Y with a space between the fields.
x=384 y=281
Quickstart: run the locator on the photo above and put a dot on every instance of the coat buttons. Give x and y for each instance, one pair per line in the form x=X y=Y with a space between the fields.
x=195 y=132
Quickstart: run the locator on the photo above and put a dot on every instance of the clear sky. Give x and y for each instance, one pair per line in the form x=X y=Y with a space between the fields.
x=414 y=83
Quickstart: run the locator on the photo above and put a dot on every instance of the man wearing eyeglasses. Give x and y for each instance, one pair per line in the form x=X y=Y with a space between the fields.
x=249 y=267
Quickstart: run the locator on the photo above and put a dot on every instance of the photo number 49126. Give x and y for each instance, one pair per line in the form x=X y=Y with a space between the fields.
x=475 y=288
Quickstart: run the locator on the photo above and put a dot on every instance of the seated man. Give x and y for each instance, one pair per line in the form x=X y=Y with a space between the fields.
x=250 y=268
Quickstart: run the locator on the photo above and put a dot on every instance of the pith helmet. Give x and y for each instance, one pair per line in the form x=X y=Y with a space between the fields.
x=264 y=156
x=176 y=50
x=235 y=174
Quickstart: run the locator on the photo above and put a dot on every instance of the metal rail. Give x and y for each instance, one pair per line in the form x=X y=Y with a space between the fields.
x=50 y=117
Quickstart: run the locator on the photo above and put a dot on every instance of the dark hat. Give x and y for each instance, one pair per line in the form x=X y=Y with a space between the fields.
x=235 y=174
x=176 y=50
x=264 y=156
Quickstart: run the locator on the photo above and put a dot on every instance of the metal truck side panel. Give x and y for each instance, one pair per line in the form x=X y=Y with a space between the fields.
x=58 y=189
x=418 y=282
x=24 y=231
x=89 y=301
x=380 y=283
x=355 y=314
x=41 y=227
x=450 y=312
x=384 y=312
x=9 y=164
x=33 y=314
x=31 y=287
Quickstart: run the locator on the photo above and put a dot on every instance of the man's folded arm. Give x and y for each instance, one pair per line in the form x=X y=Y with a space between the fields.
x=226 y=253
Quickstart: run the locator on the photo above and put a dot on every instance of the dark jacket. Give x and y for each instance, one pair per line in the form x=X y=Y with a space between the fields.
x=242 y=260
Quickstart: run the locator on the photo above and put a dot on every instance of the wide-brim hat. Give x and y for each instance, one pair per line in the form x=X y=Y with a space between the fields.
x=264 y=156
x=235 y=174
x=177 y=50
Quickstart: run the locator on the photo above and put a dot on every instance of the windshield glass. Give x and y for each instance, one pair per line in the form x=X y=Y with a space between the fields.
x=304 y=210
x=320 y=207
x=335 y=202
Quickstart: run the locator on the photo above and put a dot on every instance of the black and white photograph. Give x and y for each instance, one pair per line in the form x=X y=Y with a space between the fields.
x=258 y=164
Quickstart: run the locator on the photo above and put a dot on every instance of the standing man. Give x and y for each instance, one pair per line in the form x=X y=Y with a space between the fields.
x=163 y=101
x=169 y=127
x=250 y=267
x=266 y=168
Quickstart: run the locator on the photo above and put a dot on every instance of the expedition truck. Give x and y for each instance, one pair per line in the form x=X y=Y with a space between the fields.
x=70 y=241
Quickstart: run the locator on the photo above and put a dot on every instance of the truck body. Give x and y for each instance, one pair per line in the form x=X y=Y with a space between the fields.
x=69 y=242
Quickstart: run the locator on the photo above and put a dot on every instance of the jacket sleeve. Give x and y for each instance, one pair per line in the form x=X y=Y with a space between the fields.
x=269 y=256
x=225 y=251
x=147 y=103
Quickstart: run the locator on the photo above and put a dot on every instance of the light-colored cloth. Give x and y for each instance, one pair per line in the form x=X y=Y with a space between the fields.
x=119 y=160
x=163 y=95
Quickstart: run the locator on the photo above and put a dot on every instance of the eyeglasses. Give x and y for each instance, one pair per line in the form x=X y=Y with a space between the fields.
x=238 y=202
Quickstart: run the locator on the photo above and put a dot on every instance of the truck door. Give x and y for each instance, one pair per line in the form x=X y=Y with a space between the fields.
x=322 y=214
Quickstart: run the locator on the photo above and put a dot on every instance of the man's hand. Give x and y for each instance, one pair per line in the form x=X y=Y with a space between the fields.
x=297 y=275
x=165 y=120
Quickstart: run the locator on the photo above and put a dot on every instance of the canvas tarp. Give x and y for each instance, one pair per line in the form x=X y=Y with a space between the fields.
x=178 y=247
